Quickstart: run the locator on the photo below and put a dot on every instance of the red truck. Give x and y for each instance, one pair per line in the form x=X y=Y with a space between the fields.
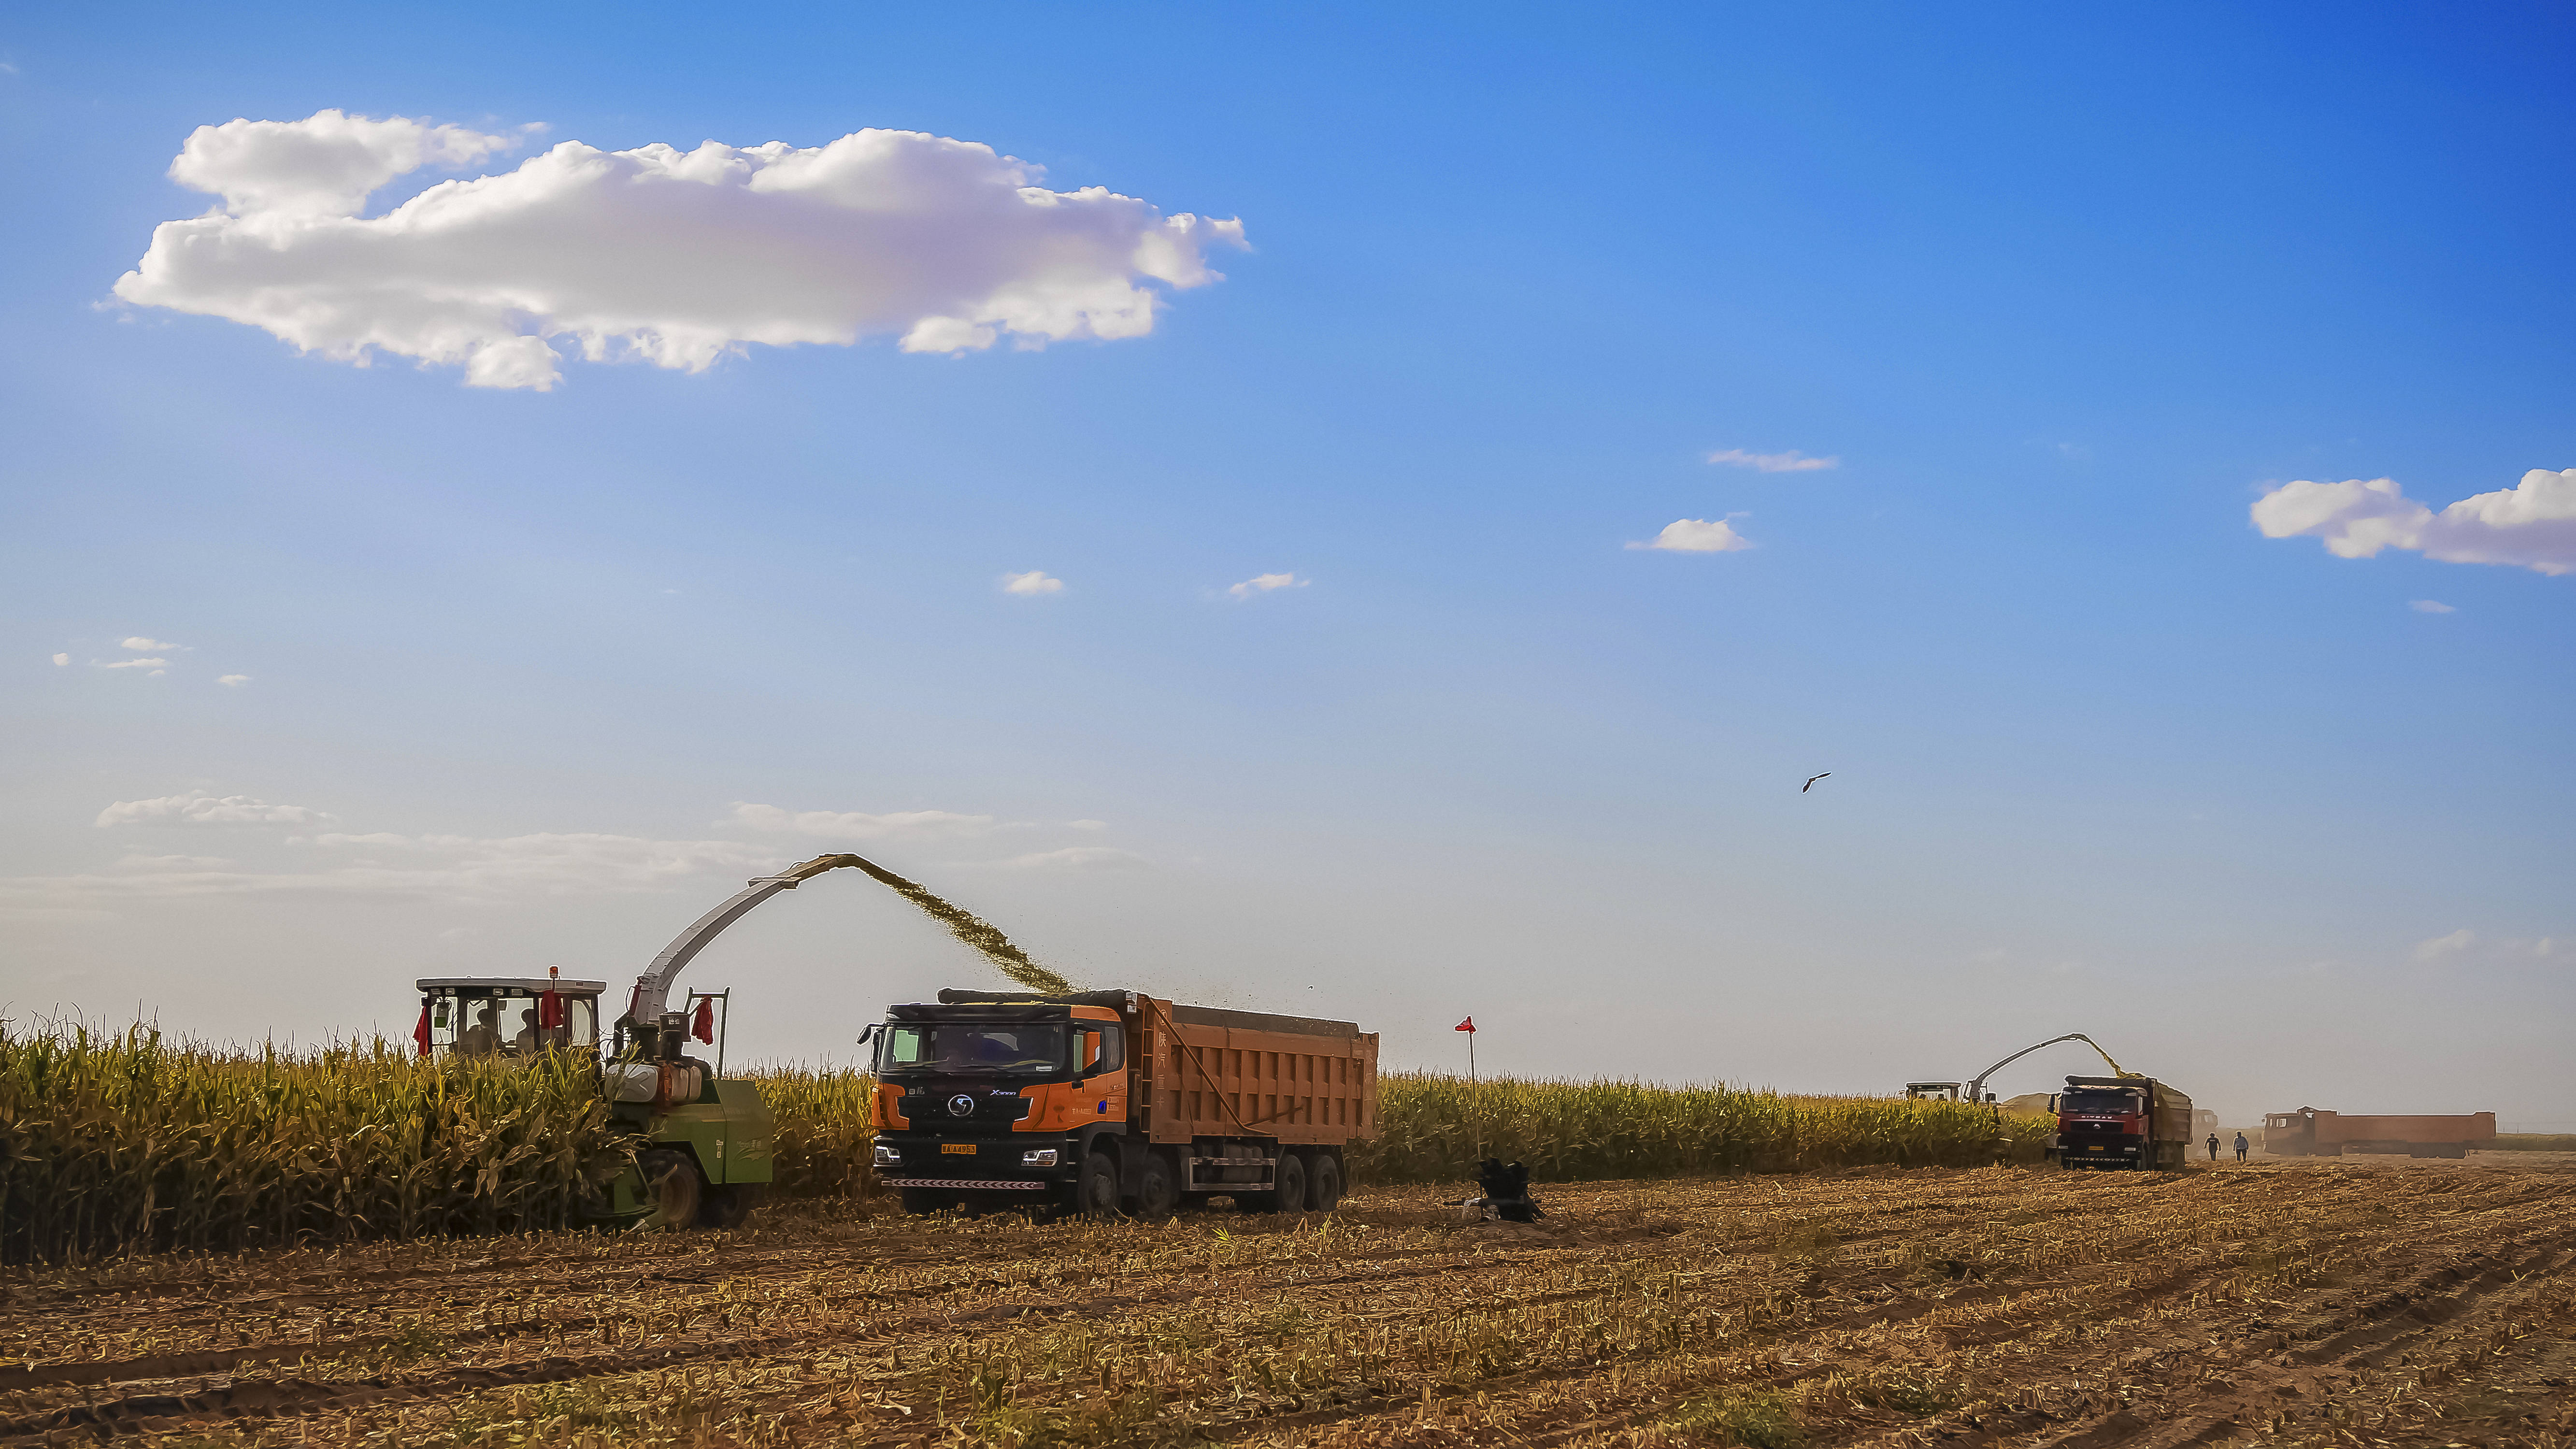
x=2308 y=1132
x=2131 y=1122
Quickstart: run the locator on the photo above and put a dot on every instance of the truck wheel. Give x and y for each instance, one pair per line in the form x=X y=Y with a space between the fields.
x=1095 y=1193
x=1324 y=1189
x=728 y=1205
x=1156 y=1193
x=672 y=1186
x=1287 y=1187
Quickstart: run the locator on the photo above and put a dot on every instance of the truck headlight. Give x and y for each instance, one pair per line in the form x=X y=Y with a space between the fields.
x=1038 y=1157
x=889 y=1156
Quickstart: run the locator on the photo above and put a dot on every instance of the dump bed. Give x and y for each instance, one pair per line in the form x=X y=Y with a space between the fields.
x=2477 y=1129
x=1209 y=1072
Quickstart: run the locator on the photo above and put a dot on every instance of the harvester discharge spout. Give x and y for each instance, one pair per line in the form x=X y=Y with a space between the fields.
x=1977 y=1087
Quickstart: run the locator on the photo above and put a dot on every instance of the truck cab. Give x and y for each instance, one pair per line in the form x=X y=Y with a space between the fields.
x=2122 y=1122
x=996 y=1097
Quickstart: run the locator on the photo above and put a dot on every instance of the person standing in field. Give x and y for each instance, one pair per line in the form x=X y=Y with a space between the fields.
x=2241 y=1145
x=2213 y=1147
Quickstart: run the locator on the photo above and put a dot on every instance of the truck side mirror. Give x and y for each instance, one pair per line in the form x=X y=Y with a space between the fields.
x=868 y=1035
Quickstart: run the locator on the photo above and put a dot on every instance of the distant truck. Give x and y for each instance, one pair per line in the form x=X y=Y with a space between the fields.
x=1100 y=1102
x=2308 y=1132
x=2123 y=1122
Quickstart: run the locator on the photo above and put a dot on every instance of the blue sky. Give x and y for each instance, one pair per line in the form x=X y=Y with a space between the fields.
x=2064 y=296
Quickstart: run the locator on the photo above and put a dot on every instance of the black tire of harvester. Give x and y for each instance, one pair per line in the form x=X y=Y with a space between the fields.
x=726 y=1206
x=1324 y=1188
x=672 y=1186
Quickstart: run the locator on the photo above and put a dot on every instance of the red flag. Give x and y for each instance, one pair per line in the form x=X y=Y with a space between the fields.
x=420 y=1033
x=550 y=1010
x=1468 y=1025
x=704 y=1028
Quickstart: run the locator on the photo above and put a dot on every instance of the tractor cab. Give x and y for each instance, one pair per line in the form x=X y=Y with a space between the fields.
x=508 y=1018
x=1932 y=1091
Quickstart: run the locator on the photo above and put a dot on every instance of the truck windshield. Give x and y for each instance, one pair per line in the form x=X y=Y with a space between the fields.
x=2111 y=1103
x=951 y=1048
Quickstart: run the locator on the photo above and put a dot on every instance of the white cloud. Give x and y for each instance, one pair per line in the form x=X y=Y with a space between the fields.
x=1033 y=582
x=1264 y=583
x=198 y=808
x=675 y=257
x=1791 y=461
x=1077 y=857
x=149 y=646
x=2441 y=946
x=133 y=861
x=156 y=665
x=1086 y=825
x=2531 y=525
x=444 y=867
x=1698 y=535
x=2431 y=606
x=235 y=680
x=854 y=824
x=62 y=659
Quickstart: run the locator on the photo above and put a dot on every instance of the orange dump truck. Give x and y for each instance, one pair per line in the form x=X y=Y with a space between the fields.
x=2308 y=1132
x=1107 y=1101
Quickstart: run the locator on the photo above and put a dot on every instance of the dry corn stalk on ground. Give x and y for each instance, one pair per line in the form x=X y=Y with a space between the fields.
x=2327 y=1304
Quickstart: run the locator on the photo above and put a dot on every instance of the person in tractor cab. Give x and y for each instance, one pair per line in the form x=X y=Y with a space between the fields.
x=483 y=1038
x=529 y=1040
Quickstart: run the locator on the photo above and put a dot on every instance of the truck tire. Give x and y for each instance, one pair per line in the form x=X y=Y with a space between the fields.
x=672 y=1186
x=1157 y=1190
x=1095 y=1192
x=726 y=1206
x=1287 y=1187
x=1324 y=1188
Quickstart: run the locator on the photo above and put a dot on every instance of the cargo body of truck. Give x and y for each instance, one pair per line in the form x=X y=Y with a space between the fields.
x=2131 y=1122
x=2311 y=1133
x=1100 y=1102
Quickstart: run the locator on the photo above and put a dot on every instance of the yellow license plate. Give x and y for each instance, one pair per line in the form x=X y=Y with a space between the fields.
x=962 y=1149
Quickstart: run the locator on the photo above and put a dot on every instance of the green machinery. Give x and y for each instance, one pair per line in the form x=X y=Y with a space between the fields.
x=703 y=1141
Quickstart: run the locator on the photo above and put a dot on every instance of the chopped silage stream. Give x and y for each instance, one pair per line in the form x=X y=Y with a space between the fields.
x=974 y=930
x=2308 y=1304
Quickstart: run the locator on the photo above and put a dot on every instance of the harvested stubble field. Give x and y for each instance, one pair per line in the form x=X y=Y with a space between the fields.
x=2314 y=1303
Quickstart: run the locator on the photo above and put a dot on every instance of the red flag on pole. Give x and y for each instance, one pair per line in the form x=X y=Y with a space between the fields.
x=1468 y=1025
x=420 y=1033
x=704 y=1028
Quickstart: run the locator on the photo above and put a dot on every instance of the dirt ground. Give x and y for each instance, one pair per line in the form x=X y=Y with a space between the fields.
x=2349 y=1301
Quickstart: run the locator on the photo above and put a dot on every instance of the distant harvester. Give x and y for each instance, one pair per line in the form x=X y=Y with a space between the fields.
x=2309 y=1132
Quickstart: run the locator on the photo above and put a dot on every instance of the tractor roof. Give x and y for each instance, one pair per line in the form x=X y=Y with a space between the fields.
x=530 y=984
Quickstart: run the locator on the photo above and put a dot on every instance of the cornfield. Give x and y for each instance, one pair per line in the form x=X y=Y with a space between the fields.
x=122 y=1142
x=113 y=1142
x=1433 y=1128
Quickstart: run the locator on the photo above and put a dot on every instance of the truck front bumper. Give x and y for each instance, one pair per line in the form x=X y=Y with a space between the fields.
x=990 y=1164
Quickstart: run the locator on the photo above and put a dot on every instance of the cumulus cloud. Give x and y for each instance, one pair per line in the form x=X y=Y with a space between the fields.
x=235 y=680
x=2431 y=606
x=1035 y=581
x=199 y=808
x=153 y=664
x=2530 y=525
x=149 y=646
x=855 y=824
x=62 y=660
x=1698 y=535
x=676 y=257
x=1791 y=461
x=1264 y=583
x=2441 y=946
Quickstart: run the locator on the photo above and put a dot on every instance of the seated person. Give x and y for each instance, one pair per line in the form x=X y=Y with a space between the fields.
x=529 y=1038
x=483 y=1038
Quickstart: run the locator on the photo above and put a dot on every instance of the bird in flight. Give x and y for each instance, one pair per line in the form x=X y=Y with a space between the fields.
x=1811 y=782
